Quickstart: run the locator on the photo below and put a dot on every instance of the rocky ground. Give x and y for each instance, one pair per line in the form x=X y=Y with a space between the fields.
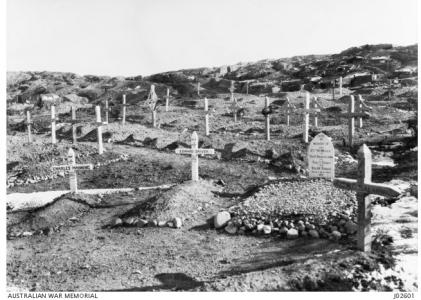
x=278 y=230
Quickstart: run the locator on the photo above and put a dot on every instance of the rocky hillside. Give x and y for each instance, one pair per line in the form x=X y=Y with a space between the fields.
x=362 y=67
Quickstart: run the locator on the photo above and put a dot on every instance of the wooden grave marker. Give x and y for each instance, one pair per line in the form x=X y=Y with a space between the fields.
x=321 y=157
x=351 y=115
x=194 y=152
x=362 y=107
x=74 y=122
x=29 y=125
x=72 y=167
x=234 y=108
x=167 y=100
x=340 y=87
x=53 y=125
x=152 y=103
x=107 y=109
x=306 y=116
x=99 y=129
x=364 y=187
x=267 y=119
x=206 y=117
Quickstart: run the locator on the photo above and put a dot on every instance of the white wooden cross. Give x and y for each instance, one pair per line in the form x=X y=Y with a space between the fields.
x=53 y=124
x=151 y=102
x=267 y=119
x=194 y=151
x=206 y=117
x=232 y=89
x=361 y=107
x=234 y=108
x=72 y=167
x=99 y=128
x=123 y=120
x=351 y=121
x=107 y=109
x=340 y=86
x=167 y=99
x=363 y=186
x=29 y=125
x=198 y=88
x=289 y=110
x=306 y=115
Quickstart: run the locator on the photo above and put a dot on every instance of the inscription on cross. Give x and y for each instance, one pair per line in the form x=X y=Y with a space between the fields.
x=194 y=152
x=72 y=167
x=364 y=187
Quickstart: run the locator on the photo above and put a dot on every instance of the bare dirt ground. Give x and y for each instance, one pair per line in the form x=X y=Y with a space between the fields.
x=82 y=253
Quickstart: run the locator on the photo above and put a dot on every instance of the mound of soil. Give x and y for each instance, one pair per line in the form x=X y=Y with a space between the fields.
x=190 y=201
x=50 y=217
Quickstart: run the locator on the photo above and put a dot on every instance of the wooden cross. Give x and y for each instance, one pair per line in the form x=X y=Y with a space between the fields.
x=167 y=99
x=194 y=151
x=99 y=129
x=361 y=108
x=74 y=135
x=267 y=119
x=123 y=119
x=29 y=125
x=198 y=88
x=289 y=110
x=363 y=186
x=351 y=122
x=151 y=102
x=72 y=167
x=53 y=124
x=206 y=117
x=106 y=111
x=232 y=89
x=306 y=115
x=234 y=108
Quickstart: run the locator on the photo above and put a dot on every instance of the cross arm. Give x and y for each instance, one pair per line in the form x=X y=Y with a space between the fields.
x=369 y=188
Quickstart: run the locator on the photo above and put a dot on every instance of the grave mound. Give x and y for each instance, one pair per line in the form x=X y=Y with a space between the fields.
x=190 y=201
x=281 y=204
x=50 y=217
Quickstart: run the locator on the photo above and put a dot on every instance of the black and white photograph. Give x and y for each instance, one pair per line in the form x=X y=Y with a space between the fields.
x=210 y=146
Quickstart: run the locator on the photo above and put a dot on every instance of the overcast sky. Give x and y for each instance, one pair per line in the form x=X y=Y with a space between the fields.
x=139 y=37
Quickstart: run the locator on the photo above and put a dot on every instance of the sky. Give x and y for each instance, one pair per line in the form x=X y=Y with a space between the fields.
x=139 y=37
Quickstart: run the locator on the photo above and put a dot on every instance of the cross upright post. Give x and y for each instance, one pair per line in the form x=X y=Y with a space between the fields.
x=351 y=121
x=29 y=125
x=123 y=119
x=315 y=106
x=306 y=117
x=340 y=86
x=99 y=128
x=288 y=110
x=106 y=111
x=151 y=102
x=74 y=136
x=167 y=99
x=206 y=117
x=198 y=88
x=267 y=120
x=364 y=187
x=53 y=124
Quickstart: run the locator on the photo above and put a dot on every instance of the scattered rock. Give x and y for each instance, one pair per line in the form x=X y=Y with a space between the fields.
x=162 y=223
x=221 y=219
x=336 y=235
x=292 y=234
x=116 y=222
x=267 y=229
x=313 y=233
x=142 y=223
x=153 y=223
x=231 y=228
x=351 y=227
x=177 y=223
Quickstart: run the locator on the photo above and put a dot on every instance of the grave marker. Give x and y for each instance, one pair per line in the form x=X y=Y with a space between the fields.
x=267 y=120
x=74 y=137
x=123 y=120
x=72 y=167
x=198 y=88
x=29 y=125
x=106 y=111
x=234 y=108
x=306 y=114
x=363 y=187
x=361 y=108
x=167 y=99
x=194 y=151
x=206 y=117
x=152 y=103
x=53 y=124
x=315 y=106
x=321 y=157
x=99 y=128
x=351 y=122
x=340 y=86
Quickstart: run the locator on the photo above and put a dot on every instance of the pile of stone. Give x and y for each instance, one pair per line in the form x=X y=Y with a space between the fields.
x=293 y=208
x=140 y=222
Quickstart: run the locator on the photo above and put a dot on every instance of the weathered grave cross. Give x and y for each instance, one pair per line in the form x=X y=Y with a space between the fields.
x=167 y=99
x=232 y=89
x=266 y=112
x=316 y=105
x=306 y=113
x=194 y=151
x=351 y=121
x=152 y=103
x=72 y=167
x=206 y=117
x=363 y=186
x=361 y=108
x=289 y=110
x=234 y=108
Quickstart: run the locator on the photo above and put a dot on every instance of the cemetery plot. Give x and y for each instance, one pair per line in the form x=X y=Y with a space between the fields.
x=264 y=196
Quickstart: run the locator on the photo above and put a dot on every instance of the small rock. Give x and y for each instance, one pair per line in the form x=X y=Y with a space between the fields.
x=292 y=233
x=310 y=227
x=231 y=228
x=170 y=224
x=142 y=223
x=221 y=219
x=116 y=222
x=129 y=221
x=177 y=222
x=313 y=233
x=162 y=223
x=301 y=227
x=351 y=227
x=336 y=235
x=153 y=223
x=267 y=229
x=283 y=230
x=260 y=227
x=27 y=233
